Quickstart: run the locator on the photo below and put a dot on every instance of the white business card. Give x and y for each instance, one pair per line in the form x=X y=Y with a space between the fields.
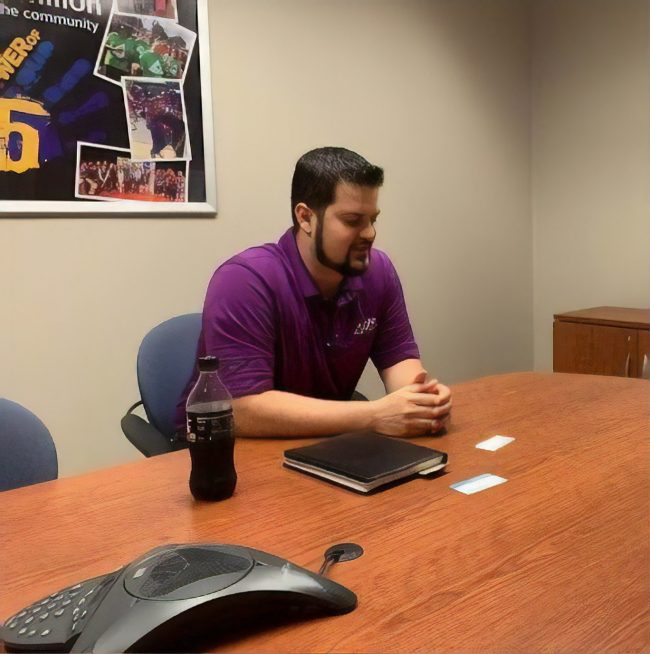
x=495 y=442
x=476 y=484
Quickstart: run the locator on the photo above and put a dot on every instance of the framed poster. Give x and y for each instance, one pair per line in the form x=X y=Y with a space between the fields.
x=105 y=108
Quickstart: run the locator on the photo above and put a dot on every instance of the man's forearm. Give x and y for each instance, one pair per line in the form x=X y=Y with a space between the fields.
x=401 y=374
x=277 y=413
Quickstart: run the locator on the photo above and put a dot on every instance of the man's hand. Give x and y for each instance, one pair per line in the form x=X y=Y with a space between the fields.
x=415 y=410
x=444 y=393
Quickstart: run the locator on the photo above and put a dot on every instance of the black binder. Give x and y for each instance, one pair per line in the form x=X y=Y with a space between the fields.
x=364 y=461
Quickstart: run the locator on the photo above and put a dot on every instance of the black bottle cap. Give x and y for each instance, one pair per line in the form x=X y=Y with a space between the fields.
x=208 y=364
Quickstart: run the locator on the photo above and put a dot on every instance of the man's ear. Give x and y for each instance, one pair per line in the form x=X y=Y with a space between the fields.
x=304 y=217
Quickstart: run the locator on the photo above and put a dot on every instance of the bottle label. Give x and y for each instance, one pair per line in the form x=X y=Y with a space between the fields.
x=203 y=427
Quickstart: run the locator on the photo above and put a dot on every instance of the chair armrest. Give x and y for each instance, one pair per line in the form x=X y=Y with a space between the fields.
x=146 y=438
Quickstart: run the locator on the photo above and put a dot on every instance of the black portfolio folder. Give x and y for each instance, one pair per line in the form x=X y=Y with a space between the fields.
x=364 y=461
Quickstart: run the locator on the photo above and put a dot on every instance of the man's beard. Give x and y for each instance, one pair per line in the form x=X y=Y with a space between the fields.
x=344 y=268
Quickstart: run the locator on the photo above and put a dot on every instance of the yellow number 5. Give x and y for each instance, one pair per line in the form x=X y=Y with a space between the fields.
x=29 y=156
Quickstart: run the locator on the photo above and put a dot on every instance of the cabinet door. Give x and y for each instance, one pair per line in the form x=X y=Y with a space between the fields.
x=644 y=354
x=594 y=349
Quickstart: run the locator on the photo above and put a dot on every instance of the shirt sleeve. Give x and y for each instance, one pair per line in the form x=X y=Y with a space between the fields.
x=239 y=328
x=394 y=341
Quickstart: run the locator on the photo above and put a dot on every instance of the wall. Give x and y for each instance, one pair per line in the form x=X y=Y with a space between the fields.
x=435 y=91
x=590 y=159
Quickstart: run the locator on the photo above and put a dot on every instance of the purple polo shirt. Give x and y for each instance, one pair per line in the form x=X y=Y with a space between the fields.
x=266 y=320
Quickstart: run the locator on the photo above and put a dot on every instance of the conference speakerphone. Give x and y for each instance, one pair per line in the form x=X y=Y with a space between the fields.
x=173 y=594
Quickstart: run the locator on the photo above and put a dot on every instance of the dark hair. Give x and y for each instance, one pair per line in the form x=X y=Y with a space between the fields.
x=319 y=171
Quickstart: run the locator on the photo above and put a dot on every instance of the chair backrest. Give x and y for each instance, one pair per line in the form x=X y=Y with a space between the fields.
x=166 y=361
x=27 y=451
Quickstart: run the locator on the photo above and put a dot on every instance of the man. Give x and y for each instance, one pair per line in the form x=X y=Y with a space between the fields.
x=164 y=119
x=121 y=163
x=180 y=187
x=102 y=176
x=152 y=64
x=172 y=65
x=170 y=185
x=115 y=61
x=134 y=48
x=91 y=177
x=294 y=323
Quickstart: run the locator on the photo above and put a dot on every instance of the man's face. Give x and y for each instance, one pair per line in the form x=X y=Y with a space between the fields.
x=345 y=231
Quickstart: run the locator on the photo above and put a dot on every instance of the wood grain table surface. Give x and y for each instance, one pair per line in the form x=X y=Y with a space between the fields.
x=555 y=560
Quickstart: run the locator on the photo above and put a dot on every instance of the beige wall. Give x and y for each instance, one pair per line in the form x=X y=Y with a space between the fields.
x=435 y=91
x=590 y=159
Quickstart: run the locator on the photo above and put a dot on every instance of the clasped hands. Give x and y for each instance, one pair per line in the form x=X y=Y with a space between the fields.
x=419 y=409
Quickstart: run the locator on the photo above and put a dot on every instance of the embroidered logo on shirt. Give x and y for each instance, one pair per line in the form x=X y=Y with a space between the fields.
x=365 y=326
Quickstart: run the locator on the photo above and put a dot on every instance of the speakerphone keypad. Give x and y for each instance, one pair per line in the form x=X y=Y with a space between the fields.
x=52 y=621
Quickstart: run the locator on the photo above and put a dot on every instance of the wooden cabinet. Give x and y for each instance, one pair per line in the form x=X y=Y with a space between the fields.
x=603 y=341
x=643 y=361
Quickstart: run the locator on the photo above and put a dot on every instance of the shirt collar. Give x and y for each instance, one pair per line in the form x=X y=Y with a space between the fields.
x=349 y=288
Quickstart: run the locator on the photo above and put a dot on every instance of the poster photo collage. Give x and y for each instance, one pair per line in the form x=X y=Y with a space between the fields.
x=146 y=52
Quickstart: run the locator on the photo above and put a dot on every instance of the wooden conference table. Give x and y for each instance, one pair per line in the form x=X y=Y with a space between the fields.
x=555 y=560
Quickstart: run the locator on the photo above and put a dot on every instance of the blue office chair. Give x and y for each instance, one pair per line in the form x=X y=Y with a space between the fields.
x=166 y=360
x=27 y=451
